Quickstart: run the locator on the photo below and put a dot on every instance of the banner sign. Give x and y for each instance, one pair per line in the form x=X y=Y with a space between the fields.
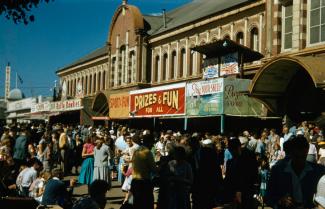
x=158 y=101
x=229 y=64
x=236 y=100
x=204 y=97
x=41 y=107
x=221 y=96
x=79 y=89
x=21 y=104
x=67 y=105
x=119 y=105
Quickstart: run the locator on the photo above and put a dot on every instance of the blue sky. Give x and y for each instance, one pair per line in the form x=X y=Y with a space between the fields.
x=64 y=31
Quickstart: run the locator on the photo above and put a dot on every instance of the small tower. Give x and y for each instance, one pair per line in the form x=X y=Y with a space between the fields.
x=124 y=2
x=7 y=81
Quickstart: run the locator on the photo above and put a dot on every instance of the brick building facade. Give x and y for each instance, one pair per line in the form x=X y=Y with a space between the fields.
x=143 y=50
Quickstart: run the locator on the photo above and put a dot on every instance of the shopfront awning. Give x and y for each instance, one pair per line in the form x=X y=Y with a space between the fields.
x=273 y=79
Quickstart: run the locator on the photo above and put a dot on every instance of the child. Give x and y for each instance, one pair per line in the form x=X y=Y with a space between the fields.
x=264 y=175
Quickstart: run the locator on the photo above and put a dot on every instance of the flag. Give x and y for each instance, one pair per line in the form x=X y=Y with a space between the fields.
x=20 y=80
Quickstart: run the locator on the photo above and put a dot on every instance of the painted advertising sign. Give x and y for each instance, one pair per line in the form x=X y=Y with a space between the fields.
x=236 y=100
x=158 y=101
x=67 y=105
x=21 y=104
x=229 y=64
x=41 y=107
x=221 y=96
x=211 y=71
x=204 y=97
x=119 y=105
x=79 y=89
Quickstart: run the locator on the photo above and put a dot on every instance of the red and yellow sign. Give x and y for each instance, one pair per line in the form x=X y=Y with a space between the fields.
x=158 y=101
x=119 y=105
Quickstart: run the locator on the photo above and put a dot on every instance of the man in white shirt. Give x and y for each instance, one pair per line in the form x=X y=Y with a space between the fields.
x=27 y=176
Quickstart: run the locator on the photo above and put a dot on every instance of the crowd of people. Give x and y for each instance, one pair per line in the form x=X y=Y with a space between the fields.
x=166 y=169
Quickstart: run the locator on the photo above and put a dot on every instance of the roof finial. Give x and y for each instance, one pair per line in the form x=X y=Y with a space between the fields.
x=124 y=2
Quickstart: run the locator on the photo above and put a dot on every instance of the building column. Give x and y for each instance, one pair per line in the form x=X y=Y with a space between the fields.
x=260 y=32
x=245 y=31
x=144 y=63
x=126 y=59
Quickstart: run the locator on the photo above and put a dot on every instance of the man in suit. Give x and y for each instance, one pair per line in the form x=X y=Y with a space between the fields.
x=20 y=148
x=293 y=182
x=241 y=175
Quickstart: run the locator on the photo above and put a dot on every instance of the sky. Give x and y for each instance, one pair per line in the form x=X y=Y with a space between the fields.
x=63 y=31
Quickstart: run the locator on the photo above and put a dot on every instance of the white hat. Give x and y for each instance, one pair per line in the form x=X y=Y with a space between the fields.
x=320 y=194
x=111 y=132
x=207 y=141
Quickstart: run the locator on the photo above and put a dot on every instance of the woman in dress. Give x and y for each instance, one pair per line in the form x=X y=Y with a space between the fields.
x=87 y=167
x=141 y=186
x=101 y=161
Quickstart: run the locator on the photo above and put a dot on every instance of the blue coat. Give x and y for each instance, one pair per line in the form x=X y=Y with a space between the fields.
x=55 y=193
x=280 y=183
x=20 y=149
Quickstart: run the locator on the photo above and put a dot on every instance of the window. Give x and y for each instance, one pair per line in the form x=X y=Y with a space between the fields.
x=201 y=58
x=113 y=71
x=99 y=82
x=94 y=86
x=182 y=68
x=317 y=21
x=131 y=76
x=86 y=85
x=173 y=67
x=254 y=39
x=287 y=26
x=240 y=38
x=90 y=84
x=122 y=67
x=164 y=69
x=192 y=63
x=157 y=69
x=104 y=80
x=83 y=84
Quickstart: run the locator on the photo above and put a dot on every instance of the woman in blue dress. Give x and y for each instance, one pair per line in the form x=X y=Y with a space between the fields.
x=87 y=167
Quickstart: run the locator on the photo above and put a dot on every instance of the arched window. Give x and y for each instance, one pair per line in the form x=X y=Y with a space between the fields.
x=68 y=87
x=104 y=80
x=83 y=84
x=156 y=69
x=164 y=69
x=254 y=39
x=173 y=67
x=90 y=84
x=113 y=71
x=86 y=86
x=74 y=87
x=240 y=38
x=183 y=66
x=192 y=63
x=95 y=83
x=131 y=74
x=122 y=66
x=99 y=86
